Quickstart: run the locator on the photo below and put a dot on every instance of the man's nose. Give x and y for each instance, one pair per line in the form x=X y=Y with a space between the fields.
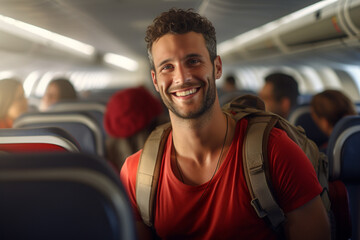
x=181 y=75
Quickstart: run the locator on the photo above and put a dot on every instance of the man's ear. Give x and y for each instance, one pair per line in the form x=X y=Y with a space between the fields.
x=218 y=67
x=153 y=76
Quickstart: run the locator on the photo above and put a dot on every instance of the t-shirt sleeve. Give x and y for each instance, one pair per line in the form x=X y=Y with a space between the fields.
x=293 y=176
x=128 y=179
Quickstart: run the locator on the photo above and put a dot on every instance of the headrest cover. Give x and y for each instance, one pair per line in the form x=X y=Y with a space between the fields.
x=129 y=111
x=343 y=150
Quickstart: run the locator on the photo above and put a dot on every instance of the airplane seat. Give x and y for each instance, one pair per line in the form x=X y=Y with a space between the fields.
x=343 y=152
x=81 y=125
x=37 y=140
x=100 y=95
x=340 y=208
x=304 y=99
x=95 y=109
x=357 y=107
x=301 y=116
x=62 y=196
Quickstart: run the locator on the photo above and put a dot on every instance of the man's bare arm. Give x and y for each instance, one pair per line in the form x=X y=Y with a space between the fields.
x=308 y=222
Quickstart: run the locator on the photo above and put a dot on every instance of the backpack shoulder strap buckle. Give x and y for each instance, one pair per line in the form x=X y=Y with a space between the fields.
x=258 y=209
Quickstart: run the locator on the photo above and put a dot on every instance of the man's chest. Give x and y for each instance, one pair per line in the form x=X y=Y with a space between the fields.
x=220 y=209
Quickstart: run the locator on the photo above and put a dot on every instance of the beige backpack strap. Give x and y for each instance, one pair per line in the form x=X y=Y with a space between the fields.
x=255 y=159
x=149 y=170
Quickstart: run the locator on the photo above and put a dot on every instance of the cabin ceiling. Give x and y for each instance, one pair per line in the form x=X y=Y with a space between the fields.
x=118 y=26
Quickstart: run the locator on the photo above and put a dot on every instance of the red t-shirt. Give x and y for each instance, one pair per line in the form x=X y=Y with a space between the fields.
x=224 y=212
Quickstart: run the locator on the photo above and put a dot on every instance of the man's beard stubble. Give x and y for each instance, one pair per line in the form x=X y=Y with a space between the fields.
x=209 y=99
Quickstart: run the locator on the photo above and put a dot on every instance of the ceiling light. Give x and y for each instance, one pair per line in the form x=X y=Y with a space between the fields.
x=121 y=61
x=30 y=82
x=43 y=36
x=6 y=74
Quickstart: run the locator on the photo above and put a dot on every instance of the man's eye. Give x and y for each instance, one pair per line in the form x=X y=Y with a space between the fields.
x=193 y=61
x=166 y=67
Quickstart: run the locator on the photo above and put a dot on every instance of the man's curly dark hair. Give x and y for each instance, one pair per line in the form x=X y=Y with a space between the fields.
x=178 y=21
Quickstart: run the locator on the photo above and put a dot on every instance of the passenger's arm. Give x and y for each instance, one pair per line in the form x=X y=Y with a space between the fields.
x=143 y=231
x=308 y=222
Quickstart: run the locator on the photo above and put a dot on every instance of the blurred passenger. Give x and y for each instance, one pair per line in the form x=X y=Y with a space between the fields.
x=59 y=89
x=229 y=84
x=280 y=93
x=229 y=90
x=13 y=102
x=328 y=107
x=130 y=116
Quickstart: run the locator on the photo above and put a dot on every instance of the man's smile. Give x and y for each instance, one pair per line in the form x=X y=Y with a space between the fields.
x=187 y=92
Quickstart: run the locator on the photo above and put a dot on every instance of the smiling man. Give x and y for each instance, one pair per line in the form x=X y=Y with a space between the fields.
x=191 y=70
x=202 y=192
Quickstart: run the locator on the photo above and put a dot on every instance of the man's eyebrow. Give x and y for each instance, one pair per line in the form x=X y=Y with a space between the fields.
x=193 y=55
x=163 y=62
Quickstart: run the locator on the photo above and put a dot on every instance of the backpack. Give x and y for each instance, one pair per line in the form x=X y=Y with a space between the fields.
x=260 y=124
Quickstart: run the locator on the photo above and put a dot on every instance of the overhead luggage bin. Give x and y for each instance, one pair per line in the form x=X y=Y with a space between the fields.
x=334 y=24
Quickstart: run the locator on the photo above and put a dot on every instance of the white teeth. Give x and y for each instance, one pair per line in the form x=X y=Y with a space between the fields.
x=186 y=93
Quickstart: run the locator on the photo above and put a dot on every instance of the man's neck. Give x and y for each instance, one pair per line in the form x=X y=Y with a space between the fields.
x=200 y=146
x=198 y=138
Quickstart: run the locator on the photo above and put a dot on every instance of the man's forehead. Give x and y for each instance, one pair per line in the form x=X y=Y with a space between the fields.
x=175 y=37
x=170 y=44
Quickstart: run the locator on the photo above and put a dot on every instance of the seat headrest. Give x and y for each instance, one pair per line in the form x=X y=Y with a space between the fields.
x=37 y=139
x=80 y=124
x=301 y=115
x=62 y=196
x=344 y=150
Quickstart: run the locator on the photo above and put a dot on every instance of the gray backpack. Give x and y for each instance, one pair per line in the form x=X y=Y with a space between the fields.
x=260 y=124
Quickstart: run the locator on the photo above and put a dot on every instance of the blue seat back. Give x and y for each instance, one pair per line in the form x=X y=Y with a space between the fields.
x=344 y=149
x=82 y=126
x=95 y=109
x=357 y=107
x=301 y=116
x=62 y=196
x=344 y=163
x=37 y=139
